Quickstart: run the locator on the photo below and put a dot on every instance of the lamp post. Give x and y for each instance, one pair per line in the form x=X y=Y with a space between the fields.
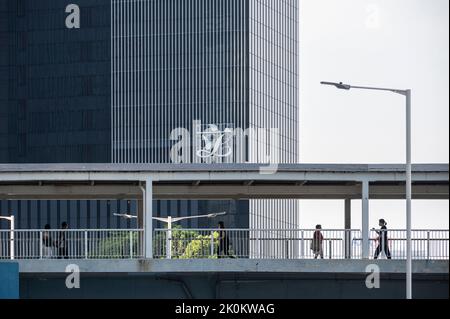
x=407 y=94
x=169 y=221
x=11 y=234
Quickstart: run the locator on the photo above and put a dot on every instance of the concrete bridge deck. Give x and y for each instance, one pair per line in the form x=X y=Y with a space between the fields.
x=156 y=266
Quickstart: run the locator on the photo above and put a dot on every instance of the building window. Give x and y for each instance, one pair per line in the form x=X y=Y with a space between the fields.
x=22 y=145
x=21 y=8
x=87 y=119
x=22 y=40
x=22 y=75
x=85 y=51
x=88 y=86
x=22 y=110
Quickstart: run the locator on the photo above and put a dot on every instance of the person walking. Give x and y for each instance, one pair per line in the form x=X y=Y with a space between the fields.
x=47 y=243
x=62 y=243
x=317 y=243
x=223 y=241
x=383 y=243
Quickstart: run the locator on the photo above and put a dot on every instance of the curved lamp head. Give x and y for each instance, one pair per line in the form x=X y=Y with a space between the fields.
x=125 y=216
x=216 y=215
x=340 y=85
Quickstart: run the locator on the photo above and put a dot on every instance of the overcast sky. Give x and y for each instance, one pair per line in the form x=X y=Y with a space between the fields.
x=388 y=43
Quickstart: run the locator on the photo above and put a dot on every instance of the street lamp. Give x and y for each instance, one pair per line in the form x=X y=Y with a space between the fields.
x=11 y=234
x=126 y=216
x=407 y=94
x=169 y=221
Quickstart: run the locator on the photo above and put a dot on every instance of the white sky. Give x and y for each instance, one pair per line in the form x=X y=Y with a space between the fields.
x=388 y=43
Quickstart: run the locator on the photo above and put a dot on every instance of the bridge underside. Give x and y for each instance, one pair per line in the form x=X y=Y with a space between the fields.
x=222 y=191
x=232 y=280
x=219 y=182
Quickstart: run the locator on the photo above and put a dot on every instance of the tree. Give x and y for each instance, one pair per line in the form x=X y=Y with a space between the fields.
x=186 y=244
x=115 y=246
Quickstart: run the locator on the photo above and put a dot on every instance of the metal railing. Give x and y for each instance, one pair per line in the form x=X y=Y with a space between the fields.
x=295 y=244
x=256 y=244
x=218 y=243
x=426 y=244
x=72 y=244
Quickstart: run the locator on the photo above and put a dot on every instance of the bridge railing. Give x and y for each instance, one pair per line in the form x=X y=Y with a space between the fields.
x=426 y=244
x=295 y=244
x=219 y=243
x=71 y=244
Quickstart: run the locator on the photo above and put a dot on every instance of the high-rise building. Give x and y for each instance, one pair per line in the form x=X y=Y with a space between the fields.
x=114 y=89
x=231 y=64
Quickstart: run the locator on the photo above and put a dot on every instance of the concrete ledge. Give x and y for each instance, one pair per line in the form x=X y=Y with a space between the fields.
x=230 y=266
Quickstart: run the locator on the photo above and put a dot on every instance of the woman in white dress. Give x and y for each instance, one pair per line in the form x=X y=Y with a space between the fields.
x=47 y=247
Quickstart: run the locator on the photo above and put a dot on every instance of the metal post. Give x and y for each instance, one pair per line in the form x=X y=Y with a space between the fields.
x=148 y=219
x=287 y=249
x=131 y=244
x=212 y=244
x=258 y=245
x=408 y=95
x=348 y=227
x=428 y=245
x=330 y=248
x=169 y=238
x=408 y=196
x=365 y=220
x=40 y=244
x=86 y=244
x=302 y=247
x=12 y=238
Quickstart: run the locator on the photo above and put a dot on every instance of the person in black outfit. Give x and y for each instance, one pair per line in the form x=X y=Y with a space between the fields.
x=383 y=244
x=63 y=246
x=223 y=242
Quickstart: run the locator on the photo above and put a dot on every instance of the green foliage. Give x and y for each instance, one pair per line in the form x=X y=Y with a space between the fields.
x=200 y=247
x=186 y=244
x=116 y=246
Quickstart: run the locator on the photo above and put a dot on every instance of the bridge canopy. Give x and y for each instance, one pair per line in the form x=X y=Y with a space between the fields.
x=219 y=181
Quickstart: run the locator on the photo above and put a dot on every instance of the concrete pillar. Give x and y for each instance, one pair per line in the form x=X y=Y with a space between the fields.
x=140 y=221
x=348 y=227
x=148 y=219
x=140 y=213
x=365 y=221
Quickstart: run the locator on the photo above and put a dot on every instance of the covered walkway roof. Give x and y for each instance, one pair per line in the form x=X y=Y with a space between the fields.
x=219 y=181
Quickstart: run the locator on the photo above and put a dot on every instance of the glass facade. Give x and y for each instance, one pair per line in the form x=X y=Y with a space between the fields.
x=55 y=102
x=273 y=103
x=212 y=61
x=273 y=85
x=175 y=62
x=54 y=83
x=114 y=89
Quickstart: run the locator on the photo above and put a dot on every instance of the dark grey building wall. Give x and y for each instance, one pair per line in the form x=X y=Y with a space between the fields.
x=54 y=83
x=233 y=286
x=61 y=89
x=100 y=214
x=55 y=101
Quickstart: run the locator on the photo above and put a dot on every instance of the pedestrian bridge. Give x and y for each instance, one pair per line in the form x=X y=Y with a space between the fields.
x=260 y=263
x=191 y=244
x=146 y=182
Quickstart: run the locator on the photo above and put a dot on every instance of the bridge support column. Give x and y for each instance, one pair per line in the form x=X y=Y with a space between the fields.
x=365 y=221
x=140 y=213
x=348 y=227
x=148 y=219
